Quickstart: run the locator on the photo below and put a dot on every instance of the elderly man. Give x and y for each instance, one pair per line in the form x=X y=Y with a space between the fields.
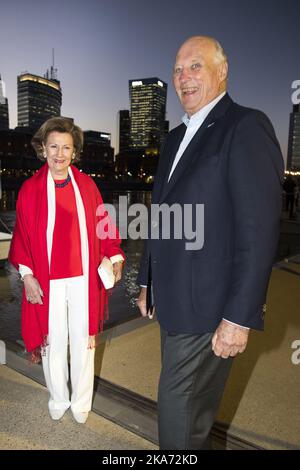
x=227 y=158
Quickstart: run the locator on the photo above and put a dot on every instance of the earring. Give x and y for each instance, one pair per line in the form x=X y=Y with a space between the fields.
x=44 y=155
x=73 y=156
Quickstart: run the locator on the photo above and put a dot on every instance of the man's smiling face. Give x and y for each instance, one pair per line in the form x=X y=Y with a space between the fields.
x=198 y=77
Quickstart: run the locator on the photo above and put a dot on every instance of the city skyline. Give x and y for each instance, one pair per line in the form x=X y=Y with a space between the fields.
x=100 y=45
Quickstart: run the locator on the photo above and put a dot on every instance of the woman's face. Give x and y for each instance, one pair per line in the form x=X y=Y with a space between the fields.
x=59 y=149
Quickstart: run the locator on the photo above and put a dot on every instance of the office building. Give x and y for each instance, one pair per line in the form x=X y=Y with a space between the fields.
x=39 y=98
x=4 y=116
x=148 y=98
x=101 y=138
x=293 y=159
x=98 y=155
x=123 y=130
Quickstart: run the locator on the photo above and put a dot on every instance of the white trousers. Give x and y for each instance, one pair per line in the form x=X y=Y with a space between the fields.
x=68 y=319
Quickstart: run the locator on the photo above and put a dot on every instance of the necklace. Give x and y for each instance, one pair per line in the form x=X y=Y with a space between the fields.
x=64 y=183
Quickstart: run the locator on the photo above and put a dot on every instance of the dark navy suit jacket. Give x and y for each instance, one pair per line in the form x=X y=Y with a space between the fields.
x=233 y=166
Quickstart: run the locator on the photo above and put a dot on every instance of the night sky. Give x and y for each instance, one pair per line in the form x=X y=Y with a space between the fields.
x=100 y=45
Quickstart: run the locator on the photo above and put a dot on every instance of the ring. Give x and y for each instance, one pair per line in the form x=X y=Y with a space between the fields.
x=28 y=299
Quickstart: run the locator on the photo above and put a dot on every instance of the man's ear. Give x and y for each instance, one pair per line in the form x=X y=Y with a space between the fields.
x=223 y=71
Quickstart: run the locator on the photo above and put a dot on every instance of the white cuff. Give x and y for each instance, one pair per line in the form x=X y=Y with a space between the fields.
x=241 y=326
x=23 y=270
x=116 y=258
x=143 y=286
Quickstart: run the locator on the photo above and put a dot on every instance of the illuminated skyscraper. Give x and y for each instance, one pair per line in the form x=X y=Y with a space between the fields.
x=39 y=98
x=293 y=160
x=148 y=98
x=4 y=119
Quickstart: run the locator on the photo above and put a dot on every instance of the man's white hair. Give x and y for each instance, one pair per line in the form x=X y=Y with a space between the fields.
x=220 y=55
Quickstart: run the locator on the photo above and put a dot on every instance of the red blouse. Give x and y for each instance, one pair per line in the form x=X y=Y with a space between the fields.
x=66 y=247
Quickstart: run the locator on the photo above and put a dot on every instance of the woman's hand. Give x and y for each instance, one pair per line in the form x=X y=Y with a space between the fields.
x=117 y=269
x=33 y=290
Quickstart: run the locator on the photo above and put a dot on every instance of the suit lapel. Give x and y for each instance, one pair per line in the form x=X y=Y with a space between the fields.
x=168 y=156
x=205 y=130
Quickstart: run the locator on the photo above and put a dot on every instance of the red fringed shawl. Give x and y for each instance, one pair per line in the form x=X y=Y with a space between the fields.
x=29 y=247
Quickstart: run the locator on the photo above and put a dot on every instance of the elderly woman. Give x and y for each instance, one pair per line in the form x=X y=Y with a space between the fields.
x=57 y=251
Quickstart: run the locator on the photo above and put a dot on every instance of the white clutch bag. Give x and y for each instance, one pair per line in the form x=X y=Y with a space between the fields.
x=106 y=273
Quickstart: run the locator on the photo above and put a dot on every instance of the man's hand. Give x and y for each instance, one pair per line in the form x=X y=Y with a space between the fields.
x=142 y=301
x=118 y=269
x=229 y=339
x=33 y=290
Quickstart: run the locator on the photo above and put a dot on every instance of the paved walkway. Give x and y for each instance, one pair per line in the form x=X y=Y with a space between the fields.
x=26 y=424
